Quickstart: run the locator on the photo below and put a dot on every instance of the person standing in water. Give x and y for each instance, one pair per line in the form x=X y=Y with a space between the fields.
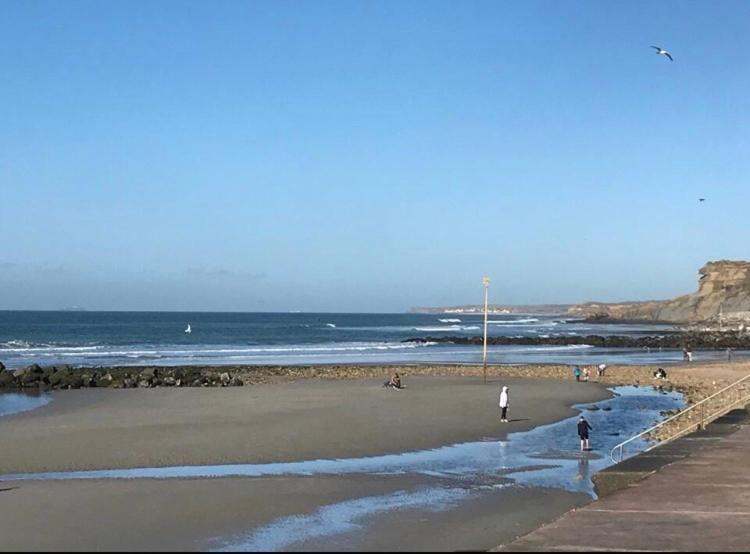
x=504 y=403
x=583 y=433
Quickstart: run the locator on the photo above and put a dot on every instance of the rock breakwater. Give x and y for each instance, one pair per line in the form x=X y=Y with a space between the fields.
x=713 y=340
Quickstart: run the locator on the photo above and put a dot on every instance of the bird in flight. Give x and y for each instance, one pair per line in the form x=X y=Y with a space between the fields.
x=701 y=199
x=663 y=52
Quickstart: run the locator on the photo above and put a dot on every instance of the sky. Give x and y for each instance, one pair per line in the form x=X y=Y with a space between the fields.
x=368 y=156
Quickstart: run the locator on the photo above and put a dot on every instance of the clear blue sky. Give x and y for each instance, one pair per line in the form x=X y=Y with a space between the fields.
x=368 y=156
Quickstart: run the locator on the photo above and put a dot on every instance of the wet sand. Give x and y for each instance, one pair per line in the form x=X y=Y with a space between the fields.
x=108 y=429
x=99 y=429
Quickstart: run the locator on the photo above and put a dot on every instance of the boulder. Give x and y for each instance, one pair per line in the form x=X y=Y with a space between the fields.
x=29 y=376
x=237 y=382
x=73 y=382
x=7 y=379
x=58 y=378
x=149 y=373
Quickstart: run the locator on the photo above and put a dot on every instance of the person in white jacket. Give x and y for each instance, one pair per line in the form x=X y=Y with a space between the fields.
x=504 y=403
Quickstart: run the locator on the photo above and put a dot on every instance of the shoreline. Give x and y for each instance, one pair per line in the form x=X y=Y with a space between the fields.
x=696 y=380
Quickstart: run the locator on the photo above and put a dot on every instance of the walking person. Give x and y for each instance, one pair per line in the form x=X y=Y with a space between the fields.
x=504 y=403
x=583 y=433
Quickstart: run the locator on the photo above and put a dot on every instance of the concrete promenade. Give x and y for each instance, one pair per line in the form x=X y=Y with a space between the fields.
x=689 y=495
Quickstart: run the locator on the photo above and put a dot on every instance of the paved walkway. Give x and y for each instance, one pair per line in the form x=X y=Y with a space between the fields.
x=700 y=501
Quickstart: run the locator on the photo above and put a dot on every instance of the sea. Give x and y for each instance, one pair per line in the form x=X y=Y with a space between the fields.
x=159 y=338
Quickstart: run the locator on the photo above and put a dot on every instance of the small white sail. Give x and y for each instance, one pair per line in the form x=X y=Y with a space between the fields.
x=188 y=330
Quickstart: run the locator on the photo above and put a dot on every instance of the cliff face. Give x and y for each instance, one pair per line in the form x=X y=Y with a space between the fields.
x=723 y=291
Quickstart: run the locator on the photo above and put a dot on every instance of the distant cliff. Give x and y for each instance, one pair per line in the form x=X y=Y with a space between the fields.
x=723 y=295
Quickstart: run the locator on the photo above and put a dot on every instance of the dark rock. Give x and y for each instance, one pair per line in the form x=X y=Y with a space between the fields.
x=59 y=377
x=7 y=379
x=70 y=382
x=149 y=373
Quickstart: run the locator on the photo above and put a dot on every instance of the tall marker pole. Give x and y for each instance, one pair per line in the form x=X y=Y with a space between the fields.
x=486 y=283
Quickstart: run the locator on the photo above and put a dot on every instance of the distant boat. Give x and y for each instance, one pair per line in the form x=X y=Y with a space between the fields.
x=188 y=330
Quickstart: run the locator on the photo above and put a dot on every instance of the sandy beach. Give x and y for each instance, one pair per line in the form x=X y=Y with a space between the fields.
x=292 y=419
x=98 y=429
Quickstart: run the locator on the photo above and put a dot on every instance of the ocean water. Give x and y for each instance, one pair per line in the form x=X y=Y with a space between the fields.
x=158 y=338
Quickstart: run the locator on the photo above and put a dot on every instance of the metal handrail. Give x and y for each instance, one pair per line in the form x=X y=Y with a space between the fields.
x=700 y=404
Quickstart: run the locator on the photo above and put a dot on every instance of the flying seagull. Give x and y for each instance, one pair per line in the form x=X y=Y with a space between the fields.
x=663 y=52
x=701 y=199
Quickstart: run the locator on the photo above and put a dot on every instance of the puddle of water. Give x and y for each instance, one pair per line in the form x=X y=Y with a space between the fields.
x=15 y=403
x=344 y=517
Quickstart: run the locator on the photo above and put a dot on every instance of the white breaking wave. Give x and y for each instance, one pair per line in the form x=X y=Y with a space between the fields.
x=449 y=320
x=332 y=325
x=447 y=328
x=19 y=346
x=512 y=321
x=548 y=348
x=166 y=351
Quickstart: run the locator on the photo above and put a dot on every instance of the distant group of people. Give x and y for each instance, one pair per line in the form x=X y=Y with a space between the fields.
x=584 y=374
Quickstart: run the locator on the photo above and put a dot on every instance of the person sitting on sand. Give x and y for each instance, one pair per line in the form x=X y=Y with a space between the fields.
x=504 y=403
x=394 y=382
x=586 y=374
x=660 y=374
x=583 y=433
